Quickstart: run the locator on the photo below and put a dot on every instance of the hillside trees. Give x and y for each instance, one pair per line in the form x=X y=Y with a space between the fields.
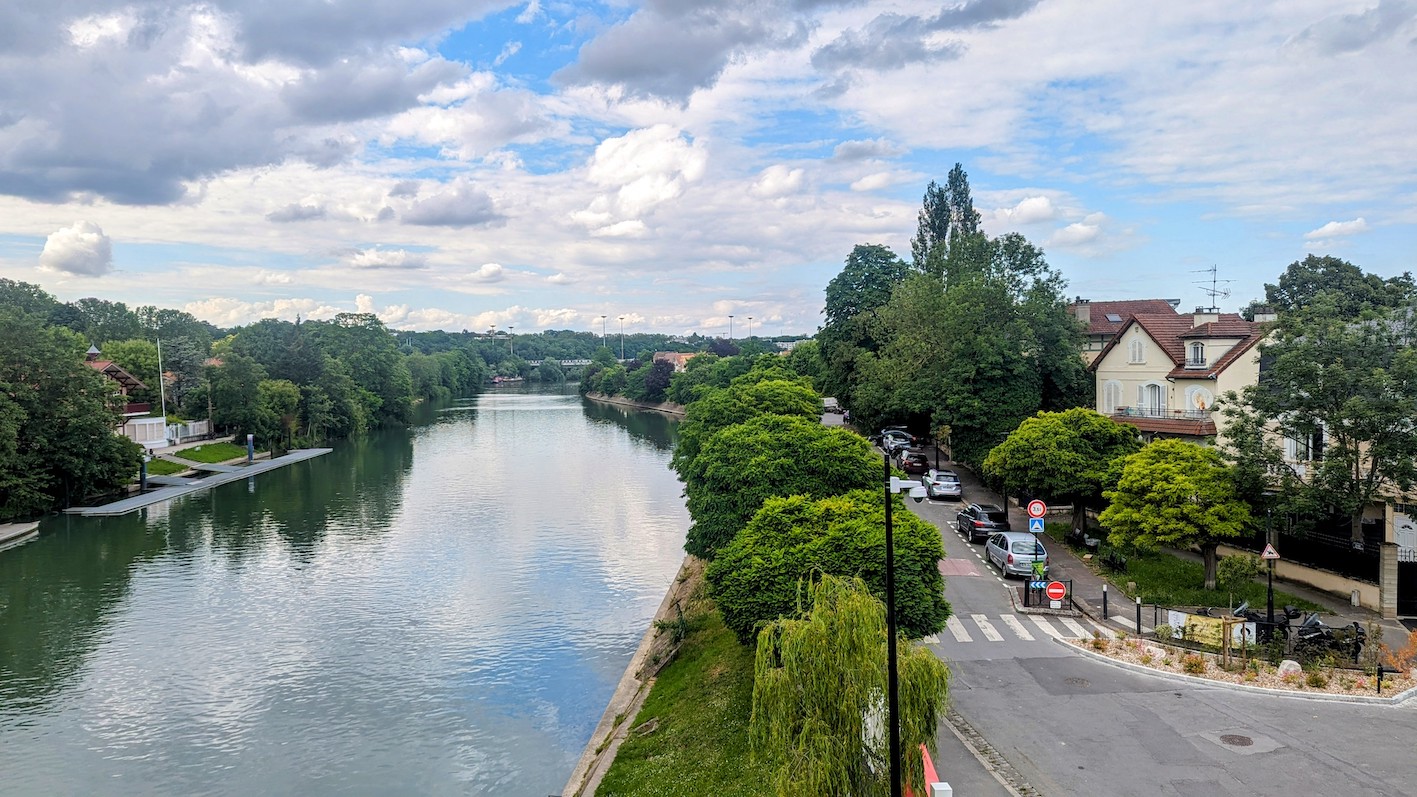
x=866 y=282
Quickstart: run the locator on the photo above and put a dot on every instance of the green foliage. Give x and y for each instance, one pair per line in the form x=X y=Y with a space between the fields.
x=740 y=466
x=1351 y=291
x=58 y=419
x=816 y=682
x=871 y=273
x=102 y=321
x=790 y=541
x=235 y=392
x=1172 y=581
x=1067 y=457
x=1237 y=569
x=721 y=408
x=162 y=467
x=1193 y=664
x=699 y=707
x=1178 y=494
x=1349 y=383
x=139 y=358
x=806 y=359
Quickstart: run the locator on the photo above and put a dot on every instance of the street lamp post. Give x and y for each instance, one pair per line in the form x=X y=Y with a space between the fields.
x=730 y=329
x=602 y=330
x=622 y=337
x=916 y=490
x=511 y=344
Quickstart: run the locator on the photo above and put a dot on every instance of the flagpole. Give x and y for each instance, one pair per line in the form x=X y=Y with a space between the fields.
x=161 y=391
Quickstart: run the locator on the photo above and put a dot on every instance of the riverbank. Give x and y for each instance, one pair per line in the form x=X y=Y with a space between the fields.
x=12 y=534
x=656 y=650
x=667 y=407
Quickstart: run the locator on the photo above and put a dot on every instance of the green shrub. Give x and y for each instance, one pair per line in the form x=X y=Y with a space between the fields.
x=1165 y=631
x=1192 y=664
x=757 y=577
x=1236 y=570
x=1316 y=679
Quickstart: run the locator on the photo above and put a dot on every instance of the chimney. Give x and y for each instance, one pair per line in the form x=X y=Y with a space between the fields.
x=1083 y=310
x=1263 y=314
x=1205 y=315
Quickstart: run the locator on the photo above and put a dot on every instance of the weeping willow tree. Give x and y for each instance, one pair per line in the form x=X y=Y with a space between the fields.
x=819 y=697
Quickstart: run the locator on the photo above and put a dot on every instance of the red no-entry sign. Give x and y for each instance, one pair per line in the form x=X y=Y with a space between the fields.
x=1037 y=508
x=1057 y=590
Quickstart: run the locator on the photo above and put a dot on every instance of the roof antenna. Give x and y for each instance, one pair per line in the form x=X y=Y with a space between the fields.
x=1214 y=291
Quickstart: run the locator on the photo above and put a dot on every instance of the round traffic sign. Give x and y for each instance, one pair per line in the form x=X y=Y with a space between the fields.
x=1037 y=508
x=1056 y=591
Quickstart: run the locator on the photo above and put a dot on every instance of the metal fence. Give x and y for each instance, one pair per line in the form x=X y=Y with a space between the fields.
x=1288 y=637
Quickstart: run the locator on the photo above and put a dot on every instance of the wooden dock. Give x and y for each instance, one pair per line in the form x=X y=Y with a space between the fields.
x=173 y=486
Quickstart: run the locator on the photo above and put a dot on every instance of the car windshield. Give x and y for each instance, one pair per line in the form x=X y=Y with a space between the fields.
x=1024 y=546
x=997 y=515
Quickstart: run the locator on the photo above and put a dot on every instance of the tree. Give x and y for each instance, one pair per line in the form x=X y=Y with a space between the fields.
x=1345 y=392
x=363 y=344
x=279 y=411
x=948 y=213
x=105 y=321
x=139 y=358
x=1179 y=494
x=1349 y=289
x=235 y=395
x=755 y=578
x=23 y=297
x=742 y=465
x=742 y=401
x=657 y=379
x=819 y=682
x=806 y=359
x=1068 y=457
x=58 y=419
x=871 y=274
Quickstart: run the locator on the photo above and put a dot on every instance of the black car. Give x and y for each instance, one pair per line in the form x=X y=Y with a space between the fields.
x=914 y=462
x=980 y=520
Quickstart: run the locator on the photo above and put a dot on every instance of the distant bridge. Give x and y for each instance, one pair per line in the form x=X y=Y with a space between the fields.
x=571 y=363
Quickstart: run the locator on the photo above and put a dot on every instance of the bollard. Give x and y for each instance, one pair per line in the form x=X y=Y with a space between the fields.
x=1138 y=614
x=1104 y=601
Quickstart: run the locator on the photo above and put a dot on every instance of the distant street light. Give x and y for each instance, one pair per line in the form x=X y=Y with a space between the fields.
x=730 y=329
x=622 y=337
x=511 y=344
x=602 y=330
x=916 y=490
x=750 y=328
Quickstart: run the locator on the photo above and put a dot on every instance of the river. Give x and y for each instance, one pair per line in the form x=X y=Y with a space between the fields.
x=433 y=611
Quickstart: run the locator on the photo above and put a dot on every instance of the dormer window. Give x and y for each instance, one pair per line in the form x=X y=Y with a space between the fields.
x=1195 y=357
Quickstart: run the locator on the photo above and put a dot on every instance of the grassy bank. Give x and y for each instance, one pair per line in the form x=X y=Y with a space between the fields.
x=161 y=467
x=691 y=736
x=1172 y=581
x=211 y=452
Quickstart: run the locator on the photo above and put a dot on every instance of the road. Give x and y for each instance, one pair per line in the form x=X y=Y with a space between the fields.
x=1068 y=725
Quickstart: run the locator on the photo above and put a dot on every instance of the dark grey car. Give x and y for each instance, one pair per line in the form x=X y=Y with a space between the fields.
x=978 y=521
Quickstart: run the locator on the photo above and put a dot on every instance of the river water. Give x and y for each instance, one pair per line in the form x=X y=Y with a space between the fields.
x=434 y=611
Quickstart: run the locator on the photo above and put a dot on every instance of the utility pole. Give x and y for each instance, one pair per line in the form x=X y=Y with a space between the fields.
x=602 y=330
x=622 y=337
x=750 y=328
x=730 y=329
x=511 y=344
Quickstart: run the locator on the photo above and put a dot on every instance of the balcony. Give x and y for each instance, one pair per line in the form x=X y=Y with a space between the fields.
x=1195 y=364
x=1160 y=420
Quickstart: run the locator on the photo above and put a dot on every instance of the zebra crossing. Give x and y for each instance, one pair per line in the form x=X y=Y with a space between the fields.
x=983 y=626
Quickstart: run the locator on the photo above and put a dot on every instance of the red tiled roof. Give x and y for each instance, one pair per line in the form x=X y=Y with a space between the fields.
x=1097 y=323
x=1170 y=426
x=1170 y=331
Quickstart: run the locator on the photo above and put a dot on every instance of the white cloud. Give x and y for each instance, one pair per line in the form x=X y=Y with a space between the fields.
x=875 y=181
x=264 y=277
x=81 y=249
x=488 y=272
x=1029 y=211
x=560 y=278
x=640 y=171
x=1075 y=234
x=1338 y=228
x=777 y=181
x=387 y=258
x=228 y=312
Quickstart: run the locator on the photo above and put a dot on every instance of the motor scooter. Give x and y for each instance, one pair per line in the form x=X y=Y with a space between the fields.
x=1314 y=638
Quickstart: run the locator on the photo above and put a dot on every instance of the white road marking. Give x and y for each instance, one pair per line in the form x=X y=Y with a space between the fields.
x=982 y=620
x=1129 y=622
x=957 y=628
x=1046 y=627
x=1016 y=627
x=1075 y=628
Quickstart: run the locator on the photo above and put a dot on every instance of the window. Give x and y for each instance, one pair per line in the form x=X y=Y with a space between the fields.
x=1151 y=399
x=1111 y=396
x=1114 y=318
x=1196 y=358
x=1136 y=350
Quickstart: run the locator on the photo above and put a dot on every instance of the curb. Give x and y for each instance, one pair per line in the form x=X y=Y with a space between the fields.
x=1397 y=699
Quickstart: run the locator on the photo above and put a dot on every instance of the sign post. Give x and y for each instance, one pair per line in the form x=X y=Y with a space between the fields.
x=1270 y=555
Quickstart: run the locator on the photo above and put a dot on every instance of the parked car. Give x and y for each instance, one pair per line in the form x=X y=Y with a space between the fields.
x=914 y=462
x=942 y=484
x=978 y=521
x=892 y=441
x=1014 y=553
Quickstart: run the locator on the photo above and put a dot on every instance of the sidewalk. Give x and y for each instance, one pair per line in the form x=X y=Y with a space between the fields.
x=1087 y=584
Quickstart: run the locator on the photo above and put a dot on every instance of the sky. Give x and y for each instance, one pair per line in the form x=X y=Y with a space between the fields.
x=680 y=166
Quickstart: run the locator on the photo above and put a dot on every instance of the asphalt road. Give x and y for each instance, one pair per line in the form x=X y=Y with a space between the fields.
x=1069 y=725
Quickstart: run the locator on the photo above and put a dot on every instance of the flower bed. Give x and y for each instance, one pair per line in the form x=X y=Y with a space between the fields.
x=1251 y=672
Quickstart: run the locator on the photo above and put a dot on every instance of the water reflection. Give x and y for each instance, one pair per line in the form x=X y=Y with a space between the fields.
x=439 y=611
x=656 y=428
